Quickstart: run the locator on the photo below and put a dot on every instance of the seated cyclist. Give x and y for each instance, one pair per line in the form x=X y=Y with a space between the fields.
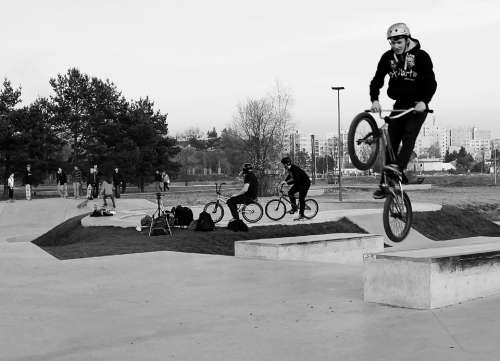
x=247 y=194
x=412 y=85
x=300 y=183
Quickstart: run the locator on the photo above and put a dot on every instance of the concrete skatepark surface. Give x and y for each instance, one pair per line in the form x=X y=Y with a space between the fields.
x=168 y=305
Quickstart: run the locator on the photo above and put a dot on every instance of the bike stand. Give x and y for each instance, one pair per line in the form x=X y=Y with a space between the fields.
x=159 y=211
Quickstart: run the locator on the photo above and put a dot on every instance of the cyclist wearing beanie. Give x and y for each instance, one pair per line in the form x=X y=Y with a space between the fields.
x=300 y=183
x=247 y=194
x=411 y=84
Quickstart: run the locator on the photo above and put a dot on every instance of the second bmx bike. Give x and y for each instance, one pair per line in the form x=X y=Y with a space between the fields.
x=252 y=211
x=276 y=208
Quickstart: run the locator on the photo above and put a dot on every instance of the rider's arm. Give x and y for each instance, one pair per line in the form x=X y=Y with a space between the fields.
x=243 y=190
x=378 y=80
x=426 y=79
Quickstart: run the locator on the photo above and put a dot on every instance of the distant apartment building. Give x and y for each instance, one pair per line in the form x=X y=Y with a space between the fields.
x=476 y=141
x=431 y=134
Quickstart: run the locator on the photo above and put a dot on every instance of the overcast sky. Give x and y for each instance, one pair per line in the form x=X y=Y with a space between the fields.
x=198 y=59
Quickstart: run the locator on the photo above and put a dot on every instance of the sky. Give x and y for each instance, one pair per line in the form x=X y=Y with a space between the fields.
x=197 y=60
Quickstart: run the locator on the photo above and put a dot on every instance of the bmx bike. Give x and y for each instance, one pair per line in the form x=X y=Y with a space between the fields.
x=365 y=142
x=276 y=208
x=252 y=211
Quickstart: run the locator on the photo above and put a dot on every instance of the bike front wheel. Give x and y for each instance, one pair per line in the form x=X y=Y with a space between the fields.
x=363 y=141
x=311 y=208
x=397 y=216
x=275 y=209
x=215 y=210
x=252 y=212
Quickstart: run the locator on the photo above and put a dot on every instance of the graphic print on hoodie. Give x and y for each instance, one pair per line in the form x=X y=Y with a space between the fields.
x=411 y=76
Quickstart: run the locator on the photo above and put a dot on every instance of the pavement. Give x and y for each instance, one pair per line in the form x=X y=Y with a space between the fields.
x=180 y=306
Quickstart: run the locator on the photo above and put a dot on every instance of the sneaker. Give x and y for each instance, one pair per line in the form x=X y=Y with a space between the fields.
x=300 y=218
x=393 y=168
x=380 y=193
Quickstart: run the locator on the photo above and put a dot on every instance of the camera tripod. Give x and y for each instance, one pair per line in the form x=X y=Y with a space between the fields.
x=158 y=213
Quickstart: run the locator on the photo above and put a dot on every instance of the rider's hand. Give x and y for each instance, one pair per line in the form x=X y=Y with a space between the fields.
x=420 y=107
x=376 y=108
x=283 y=183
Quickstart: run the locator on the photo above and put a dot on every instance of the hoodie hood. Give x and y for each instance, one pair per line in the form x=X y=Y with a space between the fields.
x=414 y=45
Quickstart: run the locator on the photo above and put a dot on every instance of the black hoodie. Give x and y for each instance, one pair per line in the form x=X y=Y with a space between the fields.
x=411 y=78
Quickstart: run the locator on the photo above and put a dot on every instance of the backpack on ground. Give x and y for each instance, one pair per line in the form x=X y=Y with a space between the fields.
x=205 y=223
x=237 y=225
x=183 y=216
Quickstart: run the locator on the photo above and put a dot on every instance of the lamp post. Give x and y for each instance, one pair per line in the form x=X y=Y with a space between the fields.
x=340 y=153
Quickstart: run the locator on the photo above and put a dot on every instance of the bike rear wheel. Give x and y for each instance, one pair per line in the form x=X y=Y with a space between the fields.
x=215 y=210
x=252 y=212
x=363 y=141
x=397 y=216
x=311 y=208
x=275 y=209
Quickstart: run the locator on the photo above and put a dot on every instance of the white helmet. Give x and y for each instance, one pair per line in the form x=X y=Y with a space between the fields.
x=398 y=29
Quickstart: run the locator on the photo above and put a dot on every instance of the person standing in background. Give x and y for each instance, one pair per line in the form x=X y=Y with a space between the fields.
x=76 y=176
x=10 y=184
x=62 y=180
x=117 y=182
x=28 y=181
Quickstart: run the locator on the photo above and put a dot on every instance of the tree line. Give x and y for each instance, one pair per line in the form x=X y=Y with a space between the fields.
x=85 y=121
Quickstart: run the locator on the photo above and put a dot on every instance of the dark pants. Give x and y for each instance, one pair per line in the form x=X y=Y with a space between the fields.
x=95 y=190
x=165 y=186
x=302 y=190
x=11 y=193
x=404 y=131
x=117 y=190
x=233 y=202
x=104 y=196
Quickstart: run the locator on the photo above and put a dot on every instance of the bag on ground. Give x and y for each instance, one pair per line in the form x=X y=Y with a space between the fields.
x=205 y=222
x=183 y=216
x=237 y=225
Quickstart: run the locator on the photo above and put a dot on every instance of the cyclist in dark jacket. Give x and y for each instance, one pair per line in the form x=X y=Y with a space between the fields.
x=247 y=194
x=412 y=84
x=300 y=183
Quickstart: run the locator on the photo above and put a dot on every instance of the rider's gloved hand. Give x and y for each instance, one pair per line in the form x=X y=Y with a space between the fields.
x=376 y=107
x=420 y=107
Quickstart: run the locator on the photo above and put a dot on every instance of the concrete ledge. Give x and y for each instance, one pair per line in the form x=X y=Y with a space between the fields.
x=432 y=277
x=346 y=248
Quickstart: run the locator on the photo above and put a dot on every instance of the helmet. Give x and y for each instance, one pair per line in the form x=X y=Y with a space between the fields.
x=286 y=161
x=247 y=167
x=398 y=29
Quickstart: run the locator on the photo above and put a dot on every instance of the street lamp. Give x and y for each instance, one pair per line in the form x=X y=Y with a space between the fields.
x=340 y=153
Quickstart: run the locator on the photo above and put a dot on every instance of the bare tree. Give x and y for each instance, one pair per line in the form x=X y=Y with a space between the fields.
x=262 y=124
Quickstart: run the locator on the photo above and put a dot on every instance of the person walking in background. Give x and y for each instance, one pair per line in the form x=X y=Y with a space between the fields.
x=107 y=191
x=90 y=179
x=28 y=181
x=10 y=185
x=62 y=180
x=158 y=181
x=95 y=181
x=76 y=176
x=166 y=181
x=117 y=182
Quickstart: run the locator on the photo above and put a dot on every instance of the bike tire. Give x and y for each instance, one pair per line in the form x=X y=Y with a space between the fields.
x=275 y=209
x=311 y=208
x=215 y=210
x=252 y=212
x=397 y=224
x=363 y=156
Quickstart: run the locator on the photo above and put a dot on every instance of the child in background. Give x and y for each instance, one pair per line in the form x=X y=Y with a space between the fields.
x=10 y=184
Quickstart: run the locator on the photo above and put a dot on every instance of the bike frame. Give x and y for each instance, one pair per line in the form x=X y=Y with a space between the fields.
x=222 y=198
